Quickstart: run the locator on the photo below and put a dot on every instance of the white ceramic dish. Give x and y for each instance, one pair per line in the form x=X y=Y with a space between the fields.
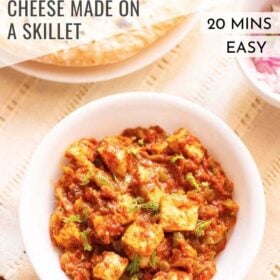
x=260 y=87
x=108 y=72
x=109 y=116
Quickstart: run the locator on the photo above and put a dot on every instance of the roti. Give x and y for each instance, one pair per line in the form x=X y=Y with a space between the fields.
x=113 y=49
x=98 y=40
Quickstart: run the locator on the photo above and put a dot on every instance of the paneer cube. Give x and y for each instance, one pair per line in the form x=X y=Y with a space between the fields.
x=172 y=275
x=103 y=180
x=144 y=262
x=82 y=208
x=127 y=210
x=151 y=192
x=177 y=140
x=56 y=220
x=110 y=267
x=114 y=155
x=185 y=143
x=150 y=188
x=81 y=151
x=100 y=229
x=180 y=199
x=76 y=265
x=176 y=218
x=69 y=236
x=105 y=228
x=195 y=151
x=159 y=147
x=142 y=238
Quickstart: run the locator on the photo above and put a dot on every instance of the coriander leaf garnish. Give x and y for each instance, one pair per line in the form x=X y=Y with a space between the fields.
x=151 y=206
x=176 y=158
x=133 y=266
x=87 y=246
x=72 y=219
x=153 y=259
x=201 y=226
x=192 y=181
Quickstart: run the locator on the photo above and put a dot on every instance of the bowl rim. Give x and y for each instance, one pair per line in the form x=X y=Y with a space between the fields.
x=258 y=192
x=259 y=87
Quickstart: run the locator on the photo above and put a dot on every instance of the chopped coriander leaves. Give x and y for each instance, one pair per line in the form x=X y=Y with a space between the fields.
x=192 y=181
x=87 y=246
x=201 y=226
x=176 y=158
x=133 y=266
x=151 y=206
x=73 y=219
x=153 y=260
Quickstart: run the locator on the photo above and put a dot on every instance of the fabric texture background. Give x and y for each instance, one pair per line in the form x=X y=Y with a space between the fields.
x=29 y=108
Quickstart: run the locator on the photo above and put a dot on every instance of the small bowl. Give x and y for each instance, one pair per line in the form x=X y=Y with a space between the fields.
x=110 y=116
x=247 y=65
x=260 y=87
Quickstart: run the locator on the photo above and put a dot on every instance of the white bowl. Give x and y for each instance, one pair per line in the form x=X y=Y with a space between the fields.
x=246 y=64
x=109 y=116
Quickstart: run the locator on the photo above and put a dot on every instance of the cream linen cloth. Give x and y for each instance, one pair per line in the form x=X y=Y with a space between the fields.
x=29 y=108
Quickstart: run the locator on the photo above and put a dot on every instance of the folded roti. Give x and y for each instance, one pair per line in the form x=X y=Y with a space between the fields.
x=103 y=40
x=113 y=49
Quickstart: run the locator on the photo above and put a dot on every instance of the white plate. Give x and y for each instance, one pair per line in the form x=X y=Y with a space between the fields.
x=108 y=72
x=109 y=116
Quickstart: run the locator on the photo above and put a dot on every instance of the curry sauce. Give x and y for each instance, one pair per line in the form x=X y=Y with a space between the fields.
x=142 y=205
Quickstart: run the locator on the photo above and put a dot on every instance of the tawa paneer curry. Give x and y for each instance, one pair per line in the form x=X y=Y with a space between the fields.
x=141 y=205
